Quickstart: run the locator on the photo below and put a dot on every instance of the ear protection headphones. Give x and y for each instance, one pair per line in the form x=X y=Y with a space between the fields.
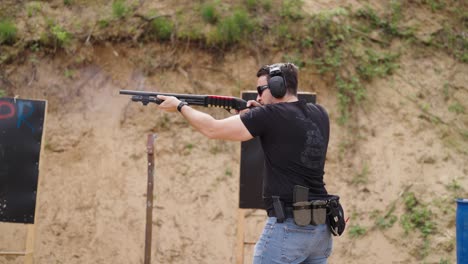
x=277 y=82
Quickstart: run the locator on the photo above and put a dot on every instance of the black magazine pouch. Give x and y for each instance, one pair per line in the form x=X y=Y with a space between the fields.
x=335 y=216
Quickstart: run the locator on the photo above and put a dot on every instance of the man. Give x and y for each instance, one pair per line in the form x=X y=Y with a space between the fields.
x=294 y=137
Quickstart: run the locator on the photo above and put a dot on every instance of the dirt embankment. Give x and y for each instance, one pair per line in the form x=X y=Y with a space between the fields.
x=91 y=203
x=408 y=137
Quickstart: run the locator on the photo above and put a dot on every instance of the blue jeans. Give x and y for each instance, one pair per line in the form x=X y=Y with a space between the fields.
x=289 y=243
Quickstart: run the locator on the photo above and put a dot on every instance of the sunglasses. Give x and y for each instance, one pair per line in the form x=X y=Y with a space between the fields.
x=262 y=88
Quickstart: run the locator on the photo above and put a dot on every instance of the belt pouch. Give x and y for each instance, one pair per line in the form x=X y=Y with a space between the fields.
x=302 y=213
x=319 y=212
x=301 y=206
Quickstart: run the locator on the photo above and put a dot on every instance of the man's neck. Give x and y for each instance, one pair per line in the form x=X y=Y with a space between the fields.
x=287 y=99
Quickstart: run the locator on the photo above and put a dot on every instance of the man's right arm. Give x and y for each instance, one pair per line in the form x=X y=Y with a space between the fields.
x=231 y=128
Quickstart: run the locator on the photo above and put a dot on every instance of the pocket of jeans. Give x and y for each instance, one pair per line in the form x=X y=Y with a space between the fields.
x=297 y=242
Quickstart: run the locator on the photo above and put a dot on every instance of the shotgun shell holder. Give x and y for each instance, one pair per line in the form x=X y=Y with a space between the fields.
x=301 y=207
x=302 y=213
x=319 y=212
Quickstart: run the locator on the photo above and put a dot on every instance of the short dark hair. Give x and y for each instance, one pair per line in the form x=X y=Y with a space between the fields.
x=289 y=72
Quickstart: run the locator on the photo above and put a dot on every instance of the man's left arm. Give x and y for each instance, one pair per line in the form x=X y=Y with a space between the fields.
x=231 y=128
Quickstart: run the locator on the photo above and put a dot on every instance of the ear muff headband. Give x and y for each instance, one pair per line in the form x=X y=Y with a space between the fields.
x=277 y=83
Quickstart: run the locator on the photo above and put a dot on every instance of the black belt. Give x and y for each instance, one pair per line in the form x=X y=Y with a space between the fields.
x=288 y=211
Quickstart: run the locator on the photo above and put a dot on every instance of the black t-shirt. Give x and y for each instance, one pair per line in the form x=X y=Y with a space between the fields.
x=294 y=138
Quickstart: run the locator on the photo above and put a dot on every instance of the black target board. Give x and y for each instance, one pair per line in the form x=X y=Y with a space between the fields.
x=21 y=128
x=252 y=163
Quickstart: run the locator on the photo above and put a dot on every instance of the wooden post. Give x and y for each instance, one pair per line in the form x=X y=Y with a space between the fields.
x=149 y=197
x=240 y=236
x=28 y=255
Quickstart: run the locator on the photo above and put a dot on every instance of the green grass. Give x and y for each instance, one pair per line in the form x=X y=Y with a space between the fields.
x=452 y=41
x=418 y=221
x=387 y=220
x=8 y=32
x=209 y=13
x=388 y=24
x=350 y=92
x=374 y=64
x=456 y=189
x=259 y=5
x=454 y=186
x=119 y=9
x=161 y=28
x=69 y=73
x=33 y=8
x=62 y=36
x=103 y=23
x=297 y=58
x=446 y=91
x=456 y=108
x=189 y=146
x=417 y=216
x=329 y=28
x=356 y=231
x=330 y=61
x=292 y=9
x=251 y=4
x=266 y=4
x=435 y=5
x=444 y=261
x=232 y=29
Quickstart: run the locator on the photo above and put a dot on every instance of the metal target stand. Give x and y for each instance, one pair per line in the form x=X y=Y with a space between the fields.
x=149 y=197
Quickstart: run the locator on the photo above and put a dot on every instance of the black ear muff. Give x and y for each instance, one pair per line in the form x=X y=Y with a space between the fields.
x=277 y=83
x=277 y=86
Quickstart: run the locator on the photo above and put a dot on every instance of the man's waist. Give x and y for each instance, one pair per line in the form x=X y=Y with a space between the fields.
x=288 y=210
x=282 y=209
